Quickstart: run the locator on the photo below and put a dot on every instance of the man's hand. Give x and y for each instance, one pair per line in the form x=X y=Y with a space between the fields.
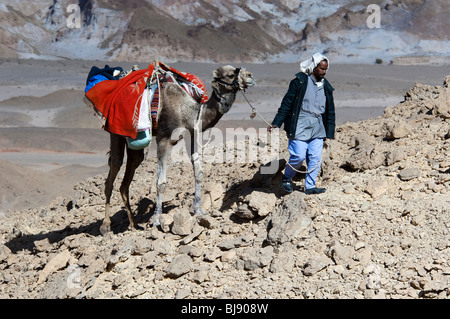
x=271 y=127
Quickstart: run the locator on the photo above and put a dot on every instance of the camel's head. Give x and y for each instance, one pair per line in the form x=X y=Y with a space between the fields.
x=233 y=79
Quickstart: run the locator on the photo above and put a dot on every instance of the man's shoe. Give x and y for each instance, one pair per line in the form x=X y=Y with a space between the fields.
x=315 y=190
x=286 y=184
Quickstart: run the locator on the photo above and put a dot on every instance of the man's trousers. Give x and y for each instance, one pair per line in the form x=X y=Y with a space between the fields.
x=311 y=151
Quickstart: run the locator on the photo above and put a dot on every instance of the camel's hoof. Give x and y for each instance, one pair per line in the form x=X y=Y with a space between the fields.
x=132 y=226
x=104 y=229
x=156 y=221
x=136 y=228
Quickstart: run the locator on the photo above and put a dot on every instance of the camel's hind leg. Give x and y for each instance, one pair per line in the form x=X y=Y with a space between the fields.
x=163 y=152
x=134 y=159
x=115 y=162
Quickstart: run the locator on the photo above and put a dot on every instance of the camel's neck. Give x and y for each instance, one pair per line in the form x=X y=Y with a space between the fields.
x=215 y=108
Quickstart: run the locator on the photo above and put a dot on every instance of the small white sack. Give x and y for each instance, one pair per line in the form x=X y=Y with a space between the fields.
x=145 y=122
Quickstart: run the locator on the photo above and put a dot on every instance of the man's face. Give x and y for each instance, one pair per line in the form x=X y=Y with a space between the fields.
x=321 y=70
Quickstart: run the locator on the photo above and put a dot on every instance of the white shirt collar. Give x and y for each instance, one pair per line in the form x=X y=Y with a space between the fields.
x=317 y=83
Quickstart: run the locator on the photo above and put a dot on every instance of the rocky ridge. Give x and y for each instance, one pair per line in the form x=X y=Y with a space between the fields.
x=380 y=231
x=222 y=30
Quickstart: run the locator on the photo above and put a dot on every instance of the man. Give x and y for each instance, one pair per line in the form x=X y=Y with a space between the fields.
x=307 y=112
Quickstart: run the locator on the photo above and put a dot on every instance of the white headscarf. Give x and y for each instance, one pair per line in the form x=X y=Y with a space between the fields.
x=309 y=65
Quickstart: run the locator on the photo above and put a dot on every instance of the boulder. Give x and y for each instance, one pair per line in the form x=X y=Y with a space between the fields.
x=365 y=155
x=408 y=174
x=316 y=264
x=397 y=130
x=5 y=252
x=166 y=221
x=263 y=203
x=207 y=222
x=228 y=256
x=244 y=212
x=56 y=263
x=441 y=103
x=212 y=254
x=230 y=243
x=183 y=222
x=180 y=265
x=289 y=220
x=212 y=192
x=394 y=156
x=341 y=255
x=377 y=188
x=257 y=258
x=196 y=231
x=282 y=262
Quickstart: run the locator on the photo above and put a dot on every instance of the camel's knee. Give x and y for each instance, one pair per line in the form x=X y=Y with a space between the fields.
x=198 y=170
x=161 y=179
x=115 y=163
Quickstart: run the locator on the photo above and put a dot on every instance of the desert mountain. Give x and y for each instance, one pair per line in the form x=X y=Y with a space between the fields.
x=222 y=30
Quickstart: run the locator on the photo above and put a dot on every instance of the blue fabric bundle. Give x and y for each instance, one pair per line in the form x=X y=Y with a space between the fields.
x=97 y=75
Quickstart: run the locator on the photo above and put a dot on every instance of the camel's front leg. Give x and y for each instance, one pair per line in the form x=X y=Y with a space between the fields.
x=163 y=150
x=198 y=174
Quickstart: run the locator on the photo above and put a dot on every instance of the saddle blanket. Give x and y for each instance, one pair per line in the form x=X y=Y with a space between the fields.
x=118 y=102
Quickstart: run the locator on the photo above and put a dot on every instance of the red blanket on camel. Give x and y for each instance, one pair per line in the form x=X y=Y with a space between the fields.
x=118 y=102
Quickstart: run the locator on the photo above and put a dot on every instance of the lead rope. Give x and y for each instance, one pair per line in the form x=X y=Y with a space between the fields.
x=253 y=115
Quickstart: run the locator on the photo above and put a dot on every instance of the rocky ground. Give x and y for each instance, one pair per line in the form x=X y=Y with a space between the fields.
x=380 y=231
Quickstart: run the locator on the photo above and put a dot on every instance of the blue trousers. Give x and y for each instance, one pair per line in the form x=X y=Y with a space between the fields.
x=311 y=151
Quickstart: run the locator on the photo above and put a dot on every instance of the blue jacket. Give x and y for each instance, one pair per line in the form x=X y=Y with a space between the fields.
x=292 y=102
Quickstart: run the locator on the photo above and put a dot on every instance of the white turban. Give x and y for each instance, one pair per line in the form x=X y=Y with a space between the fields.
x=309 y=65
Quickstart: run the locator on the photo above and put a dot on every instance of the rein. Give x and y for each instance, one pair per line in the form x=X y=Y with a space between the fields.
x=235 y=88
x=235 y=83
x=252 y=116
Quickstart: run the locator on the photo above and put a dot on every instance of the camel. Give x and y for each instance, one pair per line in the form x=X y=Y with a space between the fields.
x=178 y=110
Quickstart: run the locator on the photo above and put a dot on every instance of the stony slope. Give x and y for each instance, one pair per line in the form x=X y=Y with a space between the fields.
x=380 y=231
